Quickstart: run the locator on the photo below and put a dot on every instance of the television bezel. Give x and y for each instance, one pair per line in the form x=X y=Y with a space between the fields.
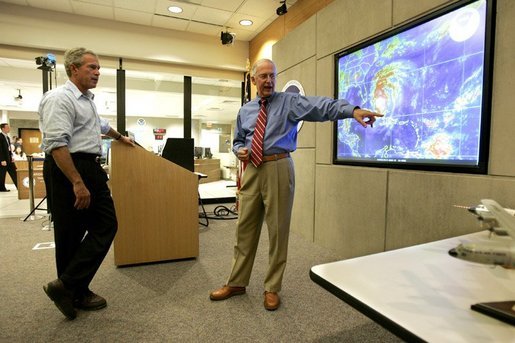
x=486 y=106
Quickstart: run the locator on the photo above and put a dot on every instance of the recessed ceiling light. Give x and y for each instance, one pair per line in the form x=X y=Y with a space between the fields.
x=246 y=22
x=174 y=9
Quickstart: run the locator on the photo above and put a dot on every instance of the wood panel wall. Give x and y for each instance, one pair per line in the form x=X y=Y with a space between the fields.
x=261 y=45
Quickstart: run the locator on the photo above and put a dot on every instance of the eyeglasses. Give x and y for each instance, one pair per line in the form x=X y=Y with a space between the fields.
x=266 y=76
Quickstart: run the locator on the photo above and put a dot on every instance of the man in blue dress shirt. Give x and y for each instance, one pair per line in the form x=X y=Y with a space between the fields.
x=267 y=190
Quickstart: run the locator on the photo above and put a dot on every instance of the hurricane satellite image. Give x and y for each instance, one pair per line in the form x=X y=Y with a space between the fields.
x=428 y=82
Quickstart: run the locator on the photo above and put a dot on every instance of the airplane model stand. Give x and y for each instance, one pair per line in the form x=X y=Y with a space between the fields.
x=500 y=221
x=503 y=310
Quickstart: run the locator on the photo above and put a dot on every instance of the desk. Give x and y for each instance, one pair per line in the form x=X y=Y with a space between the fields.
x=421 y=293
x=209 y=167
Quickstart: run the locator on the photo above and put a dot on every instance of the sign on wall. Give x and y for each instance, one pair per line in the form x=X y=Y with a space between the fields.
x=294 y=86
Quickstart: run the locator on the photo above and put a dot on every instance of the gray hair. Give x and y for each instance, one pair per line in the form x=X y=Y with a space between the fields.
x=258 y=63
x=74 y=57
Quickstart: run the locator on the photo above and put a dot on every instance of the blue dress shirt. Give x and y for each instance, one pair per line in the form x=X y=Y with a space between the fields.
x=285 y=110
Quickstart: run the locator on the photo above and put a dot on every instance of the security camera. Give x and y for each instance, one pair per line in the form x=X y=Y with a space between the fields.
x=282 y=9
x=227 y=37
x=19 y=97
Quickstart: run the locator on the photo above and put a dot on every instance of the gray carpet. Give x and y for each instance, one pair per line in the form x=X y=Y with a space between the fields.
x=168 y=302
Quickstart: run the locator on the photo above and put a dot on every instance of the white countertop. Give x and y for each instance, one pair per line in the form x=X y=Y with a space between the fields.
x=426 y=291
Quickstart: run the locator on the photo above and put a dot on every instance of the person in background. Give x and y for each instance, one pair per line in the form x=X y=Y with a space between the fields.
x=79 y=200
x=17 y=142
x=13 y=143
x=6 y=158
x=264 y=143
x=19 y=155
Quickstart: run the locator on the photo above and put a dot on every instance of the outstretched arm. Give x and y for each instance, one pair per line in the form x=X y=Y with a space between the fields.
x=365 y=117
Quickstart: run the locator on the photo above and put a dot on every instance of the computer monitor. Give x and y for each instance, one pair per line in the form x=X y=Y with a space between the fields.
x=198 y=152
x=207 y=153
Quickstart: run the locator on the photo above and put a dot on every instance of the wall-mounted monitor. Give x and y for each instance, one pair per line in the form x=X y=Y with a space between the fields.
x=431 y=79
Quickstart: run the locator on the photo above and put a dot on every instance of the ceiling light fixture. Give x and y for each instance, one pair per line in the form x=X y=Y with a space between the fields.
x=246 y=22
x=282 y=9
x=175 y=9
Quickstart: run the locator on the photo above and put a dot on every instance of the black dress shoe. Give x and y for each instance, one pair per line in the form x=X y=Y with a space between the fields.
x=62 y=298
x=90 y=301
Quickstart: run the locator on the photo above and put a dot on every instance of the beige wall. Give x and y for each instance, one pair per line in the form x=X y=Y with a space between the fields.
x=357 y=211
x=261 y=45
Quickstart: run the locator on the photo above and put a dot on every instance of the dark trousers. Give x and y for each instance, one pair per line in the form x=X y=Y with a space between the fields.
x=82 y=237
x=11 y=169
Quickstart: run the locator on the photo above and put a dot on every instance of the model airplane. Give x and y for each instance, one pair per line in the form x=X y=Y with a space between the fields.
x=487 y=219
x=499 y=253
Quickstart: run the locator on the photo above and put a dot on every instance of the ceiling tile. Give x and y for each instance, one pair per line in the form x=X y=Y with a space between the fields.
x=169 y=23
x=205 y=29
x=187 y=13
x=92 y=10
x=16 y=2
x=211 y=16
x=134 y=17
x=234 y=22
x=54 y=5
x=259 y=8
x=98 y=2
x=226 y=5
x=148 y=6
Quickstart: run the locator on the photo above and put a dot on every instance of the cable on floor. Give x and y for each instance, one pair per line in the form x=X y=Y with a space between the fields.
x=222 y=212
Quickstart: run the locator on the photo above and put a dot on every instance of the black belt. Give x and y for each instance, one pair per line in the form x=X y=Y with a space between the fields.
x=85 y=156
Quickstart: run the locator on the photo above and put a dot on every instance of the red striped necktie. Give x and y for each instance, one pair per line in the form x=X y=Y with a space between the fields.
x=256 y=149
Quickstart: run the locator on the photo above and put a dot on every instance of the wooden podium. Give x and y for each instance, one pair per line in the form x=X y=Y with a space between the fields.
x=156 y=205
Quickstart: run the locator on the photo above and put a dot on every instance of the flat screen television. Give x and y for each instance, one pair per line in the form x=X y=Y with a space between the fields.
x=431 y=79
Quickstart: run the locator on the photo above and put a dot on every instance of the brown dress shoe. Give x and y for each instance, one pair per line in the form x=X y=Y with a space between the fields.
x=90 y=302
x=226 y=292
x=62 y=298
x=272 y=301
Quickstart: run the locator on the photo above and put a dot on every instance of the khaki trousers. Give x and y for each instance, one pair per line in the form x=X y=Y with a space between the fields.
x=266 y=194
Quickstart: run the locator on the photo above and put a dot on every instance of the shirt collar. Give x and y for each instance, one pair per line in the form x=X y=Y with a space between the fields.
x=268 y=99
x=76 y=92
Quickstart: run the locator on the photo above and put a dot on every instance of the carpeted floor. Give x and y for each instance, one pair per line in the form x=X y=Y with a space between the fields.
x=168 y=302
